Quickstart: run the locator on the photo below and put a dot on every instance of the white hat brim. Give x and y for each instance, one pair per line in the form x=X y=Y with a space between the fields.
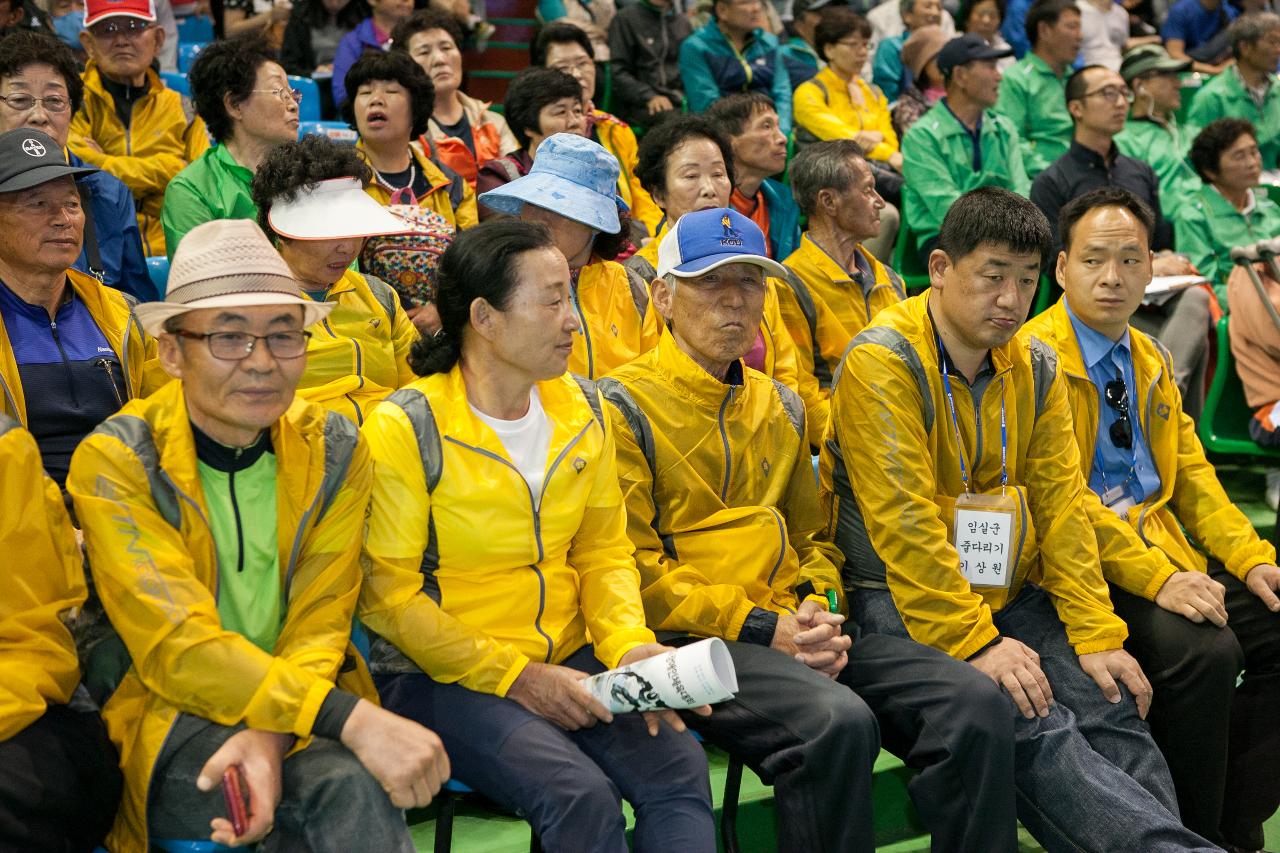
x=334 y=210
x=152 y=315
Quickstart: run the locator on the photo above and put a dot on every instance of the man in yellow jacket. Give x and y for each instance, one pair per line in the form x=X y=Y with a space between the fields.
x=954 y=491
x=1196 y=614
x=722 y=507
x=59 y=784
x=223 y=520
x=129 y=124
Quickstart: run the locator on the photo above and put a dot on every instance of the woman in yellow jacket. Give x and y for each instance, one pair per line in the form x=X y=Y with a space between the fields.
x=485 y=638
x=311 y=202
x=572 y=190
x=59 y=784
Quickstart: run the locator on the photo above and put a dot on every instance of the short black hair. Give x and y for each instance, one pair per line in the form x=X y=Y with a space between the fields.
x=656 y=146
x=420 y=22
x=1111 y=196
x=1046 y=12
x=558 y=32
x=965 y=12
x=733 y=113
x=1217 y=137
x=836 y=23
x=228 y=67
x=480 y=263
x=292 y=166
x=995 y=216
x=23 y=47
x=1076 y=84
x=397 y=67
x=530 y=91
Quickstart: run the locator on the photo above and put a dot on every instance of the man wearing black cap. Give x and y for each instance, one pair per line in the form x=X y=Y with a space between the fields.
x=798 y=54
x=70 y=352
x=959 y=144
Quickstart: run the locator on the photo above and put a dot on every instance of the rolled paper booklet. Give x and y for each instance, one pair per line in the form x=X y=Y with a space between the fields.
x=700 y=673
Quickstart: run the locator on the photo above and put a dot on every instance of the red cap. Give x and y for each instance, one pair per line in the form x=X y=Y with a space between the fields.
x=98 y=10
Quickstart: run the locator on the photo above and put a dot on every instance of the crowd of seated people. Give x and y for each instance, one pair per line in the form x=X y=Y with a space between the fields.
x=739 y=345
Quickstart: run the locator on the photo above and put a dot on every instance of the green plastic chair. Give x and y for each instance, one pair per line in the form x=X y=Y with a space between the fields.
x=1224 y=425
x=906 y=260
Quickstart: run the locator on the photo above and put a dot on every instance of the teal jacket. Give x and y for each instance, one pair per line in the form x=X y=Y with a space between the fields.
x=1225 y=96
x=887 y=70
x=711 y=68
x=1164 y=147
x=784 y=218
x=937 y=164
x=1207 y=227
x=1034 y=99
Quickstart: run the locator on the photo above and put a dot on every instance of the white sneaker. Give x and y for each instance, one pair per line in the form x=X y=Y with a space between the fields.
x=1273 y=489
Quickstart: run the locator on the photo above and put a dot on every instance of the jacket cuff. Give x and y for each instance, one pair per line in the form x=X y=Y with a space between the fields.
x=1101 y=644
x=1244 y=560
x=759 y=627
x=333 y=714
x=612 y=650
x=1158 y=580
x=510 y=676
x=306 y=719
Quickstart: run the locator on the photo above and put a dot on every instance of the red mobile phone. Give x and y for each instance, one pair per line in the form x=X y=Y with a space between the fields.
x=233 y=793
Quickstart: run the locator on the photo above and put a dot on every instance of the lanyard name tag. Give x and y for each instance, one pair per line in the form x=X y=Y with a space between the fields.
x=1118 y=501
x=983 y=537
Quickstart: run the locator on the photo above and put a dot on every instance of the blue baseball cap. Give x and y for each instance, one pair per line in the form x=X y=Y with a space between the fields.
x=706 y=239
x=571 y=176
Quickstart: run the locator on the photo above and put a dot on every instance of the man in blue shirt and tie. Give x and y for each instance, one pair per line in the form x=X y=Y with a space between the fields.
x=1197 y=615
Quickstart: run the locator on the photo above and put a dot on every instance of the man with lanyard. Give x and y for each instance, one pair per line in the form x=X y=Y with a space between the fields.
x=1196 y=614
x=953 y=489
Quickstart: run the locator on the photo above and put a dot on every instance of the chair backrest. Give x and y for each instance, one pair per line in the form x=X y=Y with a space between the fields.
x=158 y=267
x=190 y=847
x=195 y=29
x=338 y=131
x=309 y=109
x=187 y=54
x=1224 y=424
x=176 y=82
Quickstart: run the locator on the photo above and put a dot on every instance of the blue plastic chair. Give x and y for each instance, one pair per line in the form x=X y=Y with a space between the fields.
x=192 y=847
x=338 y=131
x=187 y=54
x=195 y=29
x=309 y=109
x=176 y=82
x=158 y=267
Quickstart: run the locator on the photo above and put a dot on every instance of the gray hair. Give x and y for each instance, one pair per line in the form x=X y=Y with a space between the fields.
x=821 y=166
x=1248 y=29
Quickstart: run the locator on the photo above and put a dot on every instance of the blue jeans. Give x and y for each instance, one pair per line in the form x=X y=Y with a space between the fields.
x=1089 y=776
x=568 y=785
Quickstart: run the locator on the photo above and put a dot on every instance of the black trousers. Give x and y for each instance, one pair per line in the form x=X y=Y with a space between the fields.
x=59 y=784
x=1222 y=742
x=816 y=740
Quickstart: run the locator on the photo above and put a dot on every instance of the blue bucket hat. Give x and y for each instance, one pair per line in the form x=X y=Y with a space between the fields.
x=705 y=239
x=571 y=176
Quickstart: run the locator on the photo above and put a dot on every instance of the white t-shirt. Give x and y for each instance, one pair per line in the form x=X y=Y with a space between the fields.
x=527 y=441
x=1105 y=33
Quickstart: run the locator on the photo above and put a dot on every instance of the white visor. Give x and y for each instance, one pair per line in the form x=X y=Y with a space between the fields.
x=333 y=210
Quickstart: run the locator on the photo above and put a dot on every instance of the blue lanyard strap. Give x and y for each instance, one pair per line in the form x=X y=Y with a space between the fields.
x=955 y=423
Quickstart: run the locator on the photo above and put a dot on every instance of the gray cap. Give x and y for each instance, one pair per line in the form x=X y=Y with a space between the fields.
x=1146 y=58
x=29 y=158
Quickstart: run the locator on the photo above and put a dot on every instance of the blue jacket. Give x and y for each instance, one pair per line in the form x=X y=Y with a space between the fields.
x=354 y=45
x=115 y=225
x=711 y=69
x=784 y=218
x=1014 y=27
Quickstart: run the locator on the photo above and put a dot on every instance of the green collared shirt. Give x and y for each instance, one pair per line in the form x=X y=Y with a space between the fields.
x=1208 y=226
x=1226 y=96
x=214 y=186
x=1164 y=147
x=1034 y=99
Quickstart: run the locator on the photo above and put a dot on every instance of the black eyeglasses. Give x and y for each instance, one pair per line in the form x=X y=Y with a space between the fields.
x=1116 y=393
x=237 y=346
x=129 y=26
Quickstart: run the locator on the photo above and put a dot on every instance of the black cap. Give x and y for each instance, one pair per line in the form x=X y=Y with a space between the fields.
x=29 y=158
x=969 y=47
x=799 y=7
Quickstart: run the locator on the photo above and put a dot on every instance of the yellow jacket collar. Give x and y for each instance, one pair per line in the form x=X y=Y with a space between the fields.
x=688 y=378
x=1001 y=362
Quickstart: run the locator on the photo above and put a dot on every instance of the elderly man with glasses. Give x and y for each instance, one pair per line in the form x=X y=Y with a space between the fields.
x=130 y=125
x=1098 y=101
x=223 y=518
x=1198 y=614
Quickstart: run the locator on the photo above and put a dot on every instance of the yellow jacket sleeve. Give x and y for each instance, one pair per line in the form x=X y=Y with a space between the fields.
x=788 y=367
x=392 y=602
x=43 y=580
x=820 y=560
x=604 y=560
x=467 y=213
x=142 y=175
x=876 y=413
x=403 y=336
x=1069 y=567
x=168 y=619
x=815 y=115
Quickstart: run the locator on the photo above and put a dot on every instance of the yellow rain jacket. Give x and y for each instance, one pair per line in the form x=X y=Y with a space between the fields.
x=618 y=323
x=781 y=359
x=44 y=580
x=360 y=352
x=138 y=495
x=449 y=195
x=890 y=477
x=1141 y=551
x=721 y=502
x=465 y=577
x=824 y=306
x=617 y=137
x=163 y=136
x=112 y=312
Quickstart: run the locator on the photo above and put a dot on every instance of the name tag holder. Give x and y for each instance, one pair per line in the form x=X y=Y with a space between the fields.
x=982 y=534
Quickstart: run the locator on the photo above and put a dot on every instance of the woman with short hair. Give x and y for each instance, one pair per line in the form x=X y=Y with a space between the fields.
x=488 y=637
